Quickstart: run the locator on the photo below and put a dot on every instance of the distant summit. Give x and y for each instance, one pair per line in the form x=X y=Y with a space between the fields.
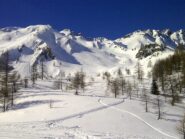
x=73 y=51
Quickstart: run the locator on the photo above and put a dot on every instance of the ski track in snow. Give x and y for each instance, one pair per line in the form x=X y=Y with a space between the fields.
x=34 y=130
x=21 y=133
x=139 y=118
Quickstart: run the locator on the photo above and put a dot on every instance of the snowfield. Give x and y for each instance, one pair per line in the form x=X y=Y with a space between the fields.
x=42 y=112
x=71 y=51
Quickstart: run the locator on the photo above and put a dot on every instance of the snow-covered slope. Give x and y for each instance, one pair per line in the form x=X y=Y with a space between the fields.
x=71 y=51
x=41 y=112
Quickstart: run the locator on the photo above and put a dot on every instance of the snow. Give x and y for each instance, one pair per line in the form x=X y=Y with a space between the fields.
x=178 y=37
x=95 y=113
x=75 y=51
x=92 y=114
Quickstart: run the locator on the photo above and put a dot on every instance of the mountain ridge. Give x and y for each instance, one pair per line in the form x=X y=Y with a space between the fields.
x=74 y=51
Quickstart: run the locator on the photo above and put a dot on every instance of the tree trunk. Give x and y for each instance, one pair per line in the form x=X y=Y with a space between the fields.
x=122 y=89
x=146 y=109
x=173 y=96
x=6 y=74
x=4 y=105
x=130 y=95
x=42 y=70
x=61 y=85
x=115 y=93
x=76 y=93
x=12 y=102
x=159 y=111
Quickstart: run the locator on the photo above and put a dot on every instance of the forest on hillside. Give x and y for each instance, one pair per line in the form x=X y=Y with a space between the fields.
x=170 y=75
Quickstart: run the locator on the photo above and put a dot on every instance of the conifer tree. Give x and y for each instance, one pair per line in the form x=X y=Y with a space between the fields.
x=8 y=79
x=76 y=82
x=82 y=80
x=154 y=88
x=115 y=87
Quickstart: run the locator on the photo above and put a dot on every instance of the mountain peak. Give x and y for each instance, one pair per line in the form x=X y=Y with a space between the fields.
x=66 y=32
x=38 y=28
x=33 y=42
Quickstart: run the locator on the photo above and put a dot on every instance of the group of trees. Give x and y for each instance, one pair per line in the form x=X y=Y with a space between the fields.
x=34 y=73
x=78 y=81
x=8 y=81
x=158 y=102
x=139 y=71
x=154 y=100
x=118 y=85
x=38 y=70
x=170 y=74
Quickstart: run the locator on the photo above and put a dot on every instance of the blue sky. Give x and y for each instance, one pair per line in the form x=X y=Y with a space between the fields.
x=95 y=18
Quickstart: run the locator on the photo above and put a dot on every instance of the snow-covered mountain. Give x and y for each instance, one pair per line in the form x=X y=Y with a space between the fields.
x=71 y=51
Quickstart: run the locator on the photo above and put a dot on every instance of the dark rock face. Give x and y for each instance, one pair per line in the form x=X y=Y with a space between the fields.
x=148 y=50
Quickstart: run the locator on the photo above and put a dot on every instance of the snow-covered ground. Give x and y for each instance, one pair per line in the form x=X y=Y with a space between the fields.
x=71 y=51
x=42 y=112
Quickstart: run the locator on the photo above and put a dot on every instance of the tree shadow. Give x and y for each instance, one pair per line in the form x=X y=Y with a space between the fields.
x=27 y=104
x=80 y=114
x=37 y=94
x=180 y=106
x=173 y=115
x=95 y=96
x=168 y=116
x=170 y=119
